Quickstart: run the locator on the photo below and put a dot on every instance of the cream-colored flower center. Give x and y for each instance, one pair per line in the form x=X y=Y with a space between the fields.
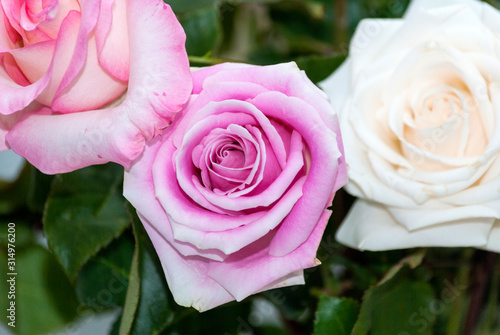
x=443 y=121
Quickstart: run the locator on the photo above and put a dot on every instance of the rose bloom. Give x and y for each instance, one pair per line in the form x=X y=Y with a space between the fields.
x=60 y=61
x=419 y=104
x=234 y=194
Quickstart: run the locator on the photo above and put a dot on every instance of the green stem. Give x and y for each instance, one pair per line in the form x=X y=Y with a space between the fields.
x=455 y=320
x=482 y=272
x=341 y=36
x=491 y=313
x=209 y=61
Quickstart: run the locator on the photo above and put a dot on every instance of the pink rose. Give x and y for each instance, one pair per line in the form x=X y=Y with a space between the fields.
x=60 y=61
x=234 y=194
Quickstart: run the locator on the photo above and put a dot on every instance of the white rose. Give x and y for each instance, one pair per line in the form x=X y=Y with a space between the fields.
x=419 y=104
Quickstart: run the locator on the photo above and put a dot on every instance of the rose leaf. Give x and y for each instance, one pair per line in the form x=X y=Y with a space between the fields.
x=85 y=211
x=335 y=315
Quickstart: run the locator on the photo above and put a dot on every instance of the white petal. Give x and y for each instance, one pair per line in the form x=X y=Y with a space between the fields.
x=369 y=226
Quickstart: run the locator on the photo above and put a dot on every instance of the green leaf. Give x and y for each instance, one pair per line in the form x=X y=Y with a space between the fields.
x=44 y=298
x=38 y=191
x=84 y=213
x=319 y=68
x=22 y=234
x=132 y=299
x=181 y=6
x=412 y=261
x=399 y=305
x=103 y=281
x=148 y=303
x=202 y=29
x=335 y=316
x=231 y=318
x=13 y=195
x=291 y=301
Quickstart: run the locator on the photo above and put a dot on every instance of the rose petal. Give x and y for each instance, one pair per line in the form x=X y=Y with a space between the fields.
x=112 y=43
x=285 y=78
x=187 y=276
x=94 y=87
x=12 y=11
x=139 y=190
x=199 y=75
x=3 y=132
x=180 y=207
x=200 y=130
x=15 y=97
x=439 y=213
x=63 y=143
x=232 y=240
x=369 y=226
x=254 y=267
x=338 y=85
x=219 y=92
x=159 y=73
x=66 y=142
x=494 y=238
x=185 y=172
x=7 y=33
x=273 y=192
x=51 y=26
x=324 y=162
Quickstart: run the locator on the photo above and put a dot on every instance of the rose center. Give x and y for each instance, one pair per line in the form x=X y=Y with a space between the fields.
x=39 y=20
x=445 y=124
x=439 y=104
x=230 y=156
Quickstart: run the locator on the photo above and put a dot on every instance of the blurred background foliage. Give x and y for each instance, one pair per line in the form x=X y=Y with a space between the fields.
x=114 y=268
x=313 y=33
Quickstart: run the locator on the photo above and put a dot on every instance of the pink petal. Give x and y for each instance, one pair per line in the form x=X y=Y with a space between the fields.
x=159 y=73
x=52 y=26
x=183 y=163
x=200 y=75
x=253 y=268
x=200 y=130
x=6 y=124
x=139 y=189
x=3 y=132
x=66 y=142
x=13 y=70
x=180 y=207
x=34 y=60
x=12 y=11
x=187 y=276
x=15 y=97
x=88 y=20
x=219 y=92
x=8 y=36
x=268 y=196
x=94 y=87
x=285 y=78
x=112 y=42
x=232 y=240
x=272 y=193
x=63 y=143
x=323 y=171
x=59 y=58
x=256 y=174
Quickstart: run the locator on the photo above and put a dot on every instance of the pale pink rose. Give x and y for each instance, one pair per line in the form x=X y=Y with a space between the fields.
x=234 y=195
x=419 y=107
x=61 y=61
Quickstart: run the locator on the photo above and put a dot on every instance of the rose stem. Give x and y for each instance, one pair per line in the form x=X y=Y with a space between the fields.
x=481 y=273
